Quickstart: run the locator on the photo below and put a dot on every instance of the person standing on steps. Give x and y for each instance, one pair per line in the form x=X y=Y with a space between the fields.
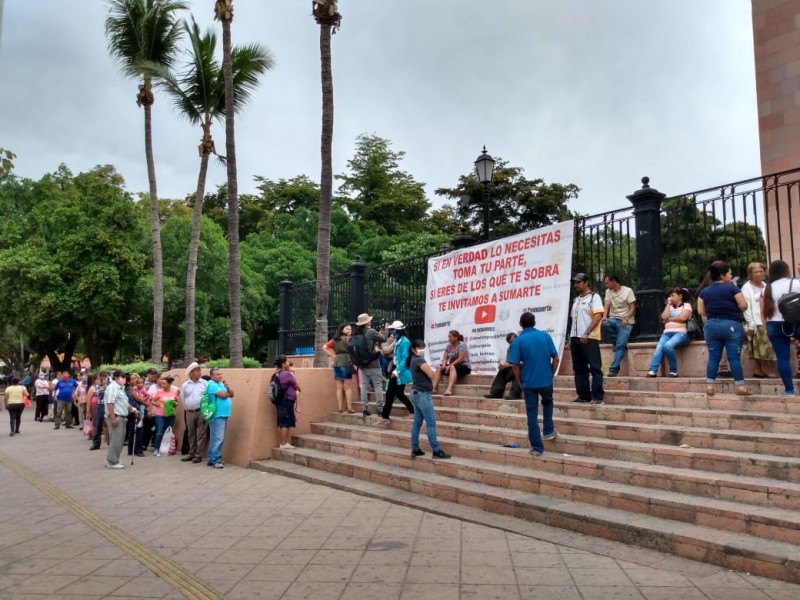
x=422 y=399
x=618 y=318
x=722 y=303
x=371 y=372
x=780 y=333
x=398 y=374
x=755 y=331
x=584 y=341
x=537 y=354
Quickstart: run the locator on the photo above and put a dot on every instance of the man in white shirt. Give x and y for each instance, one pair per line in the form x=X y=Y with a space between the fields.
x=192 y=392
x=117 y=410
x=584 y=341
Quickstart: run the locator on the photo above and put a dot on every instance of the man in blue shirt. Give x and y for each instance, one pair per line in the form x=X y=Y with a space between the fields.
x=64 y=389
x=536 y=352
x=218 y=388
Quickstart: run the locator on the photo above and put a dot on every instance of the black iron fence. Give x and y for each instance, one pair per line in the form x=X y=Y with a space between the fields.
x=656 y=243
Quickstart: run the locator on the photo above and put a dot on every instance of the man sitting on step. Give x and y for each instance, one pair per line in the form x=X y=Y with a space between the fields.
x=505 y=374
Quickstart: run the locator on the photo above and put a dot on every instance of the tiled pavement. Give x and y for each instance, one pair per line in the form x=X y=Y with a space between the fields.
x=249 y=534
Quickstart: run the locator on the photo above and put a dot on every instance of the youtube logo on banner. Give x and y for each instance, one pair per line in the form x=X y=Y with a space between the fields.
x=485 y=314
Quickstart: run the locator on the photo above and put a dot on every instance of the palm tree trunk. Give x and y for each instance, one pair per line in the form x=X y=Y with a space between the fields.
x=325 y=198
x=234 y=283
x=194 y=242
x=155 y=231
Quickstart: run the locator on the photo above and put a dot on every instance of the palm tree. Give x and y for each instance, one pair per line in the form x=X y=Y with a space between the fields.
x=199 y=94
x=223 y=12
x=139 y=31
x=326 y=14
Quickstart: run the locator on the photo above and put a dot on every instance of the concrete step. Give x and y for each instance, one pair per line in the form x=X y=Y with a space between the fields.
x=735 y=488
x=592 y=425
x=660 y=399
x=666 y=455
x=652 y=415
x=735 y=550
x=478 y=385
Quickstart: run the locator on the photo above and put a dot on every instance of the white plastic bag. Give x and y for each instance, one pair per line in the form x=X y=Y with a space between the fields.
x=165 y=442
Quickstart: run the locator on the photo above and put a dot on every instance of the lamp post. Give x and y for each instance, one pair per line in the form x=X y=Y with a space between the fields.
x=484 y=168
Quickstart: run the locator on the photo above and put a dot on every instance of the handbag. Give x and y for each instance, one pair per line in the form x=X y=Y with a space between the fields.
x=170 y=407
x=208 y=407
x=27 y=402
x=166 y=441
x=693 y=327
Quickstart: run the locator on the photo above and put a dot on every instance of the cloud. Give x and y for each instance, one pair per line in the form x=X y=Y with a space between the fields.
x=592 y=93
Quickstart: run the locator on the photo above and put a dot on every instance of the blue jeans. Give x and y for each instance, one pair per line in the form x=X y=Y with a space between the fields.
x=585 y=360
x=532 y=408
x=619 y=334
x=161 y=426
x=782 y=344
x=729 y=334
x=423 y=409
x=669 y=342
x=217 y=434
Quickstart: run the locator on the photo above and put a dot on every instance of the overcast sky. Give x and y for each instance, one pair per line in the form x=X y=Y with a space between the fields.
x=592 y=92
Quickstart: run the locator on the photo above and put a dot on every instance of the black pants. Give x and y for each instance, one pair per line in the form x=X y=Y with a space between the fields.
x=501 y=380
x=586 y=361
x=393 y=390
x=42 y=404
x=147 y=431
x=134 y=435
x=99 y=420
x=15 y=415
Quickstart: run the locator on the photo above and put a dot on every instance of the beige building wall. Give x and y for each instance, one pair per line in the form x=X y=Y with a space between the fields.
x=776 y=36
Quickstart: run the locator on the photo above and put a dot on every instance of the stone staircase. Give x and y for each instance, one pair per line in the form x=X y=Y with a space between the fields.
x=660 y=465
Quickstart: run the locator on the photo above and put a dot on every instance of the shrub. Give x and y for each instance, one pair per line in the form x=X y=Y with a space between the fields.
x=138 y=367
x=225 y=363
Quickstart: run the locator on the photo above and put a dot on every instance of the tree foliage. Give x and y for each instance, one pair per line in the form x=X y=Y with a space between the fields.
x=377 y=192
x=516 y=203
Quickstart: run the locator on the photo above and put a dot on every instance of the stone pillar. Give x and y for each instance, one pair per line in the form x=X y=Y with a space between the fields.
x=358 y=288
x=649 y=291
x=776 y=46
x=284 y=314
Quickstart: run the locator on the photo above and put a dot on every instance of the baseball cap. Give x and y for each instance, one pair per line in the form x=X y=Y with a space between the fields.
x=580 y=277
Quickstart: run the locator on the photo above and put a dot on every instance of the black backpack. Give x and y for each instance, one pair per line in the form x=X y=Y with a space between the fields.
x=276 y=391
x=360 y=351
x=789 y=306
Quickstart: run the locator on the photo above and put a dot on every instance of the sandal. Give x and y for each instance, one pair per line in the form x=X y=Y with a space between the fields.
x=760 y=375
x=351 y=412
x=448 y=393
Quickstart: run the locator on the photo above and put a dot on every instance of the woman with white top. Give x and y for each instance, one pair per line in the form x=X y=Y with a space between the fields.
x=780 y=333
x=758 y=344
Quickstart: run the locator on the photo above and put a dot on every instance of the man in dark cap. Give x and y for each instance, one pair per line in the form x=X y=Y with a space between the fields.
x=584 y=341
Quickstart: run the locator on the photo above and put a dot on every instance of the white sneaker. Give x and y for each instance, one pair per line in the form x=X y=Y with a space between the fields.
x=156 y=453
x=286 y=447
x=116 y=466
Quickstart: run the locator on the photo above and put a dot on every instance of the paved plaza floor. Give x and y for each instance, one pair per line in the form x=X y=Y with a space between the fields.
x=69 y=528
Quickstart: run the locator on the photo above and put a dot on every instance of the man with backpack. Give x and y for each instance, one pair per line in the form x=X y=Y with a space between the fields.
x=584 y=341
x=361 y=348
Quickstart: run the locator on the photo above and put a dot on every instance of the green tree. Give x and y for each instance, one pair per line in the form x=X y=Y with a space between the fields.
x=6 y=161
x=378 y=193
x=199 y=94
x=223 y=12
x=70 y=262
x=146 y=32
x=326 y=14
x=516 y=203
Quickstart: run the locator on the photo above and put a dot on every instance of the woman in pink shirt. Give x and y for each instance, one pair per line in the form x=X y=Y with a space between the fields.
x=675 y=316
x=163 y=403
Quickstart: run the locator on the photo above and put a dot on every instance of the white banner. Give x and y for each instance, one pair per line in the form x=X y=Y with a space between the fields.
x=481 y=291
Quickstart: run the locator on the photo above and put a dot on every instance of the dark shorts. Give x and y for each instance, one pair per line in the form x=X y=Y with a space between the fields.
x=286 y=417
x=463 y=370
x=345 y=372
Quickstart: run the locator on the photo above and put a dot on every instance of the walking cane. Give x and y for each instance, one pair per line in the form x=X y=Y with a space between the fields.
x=134 y=433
